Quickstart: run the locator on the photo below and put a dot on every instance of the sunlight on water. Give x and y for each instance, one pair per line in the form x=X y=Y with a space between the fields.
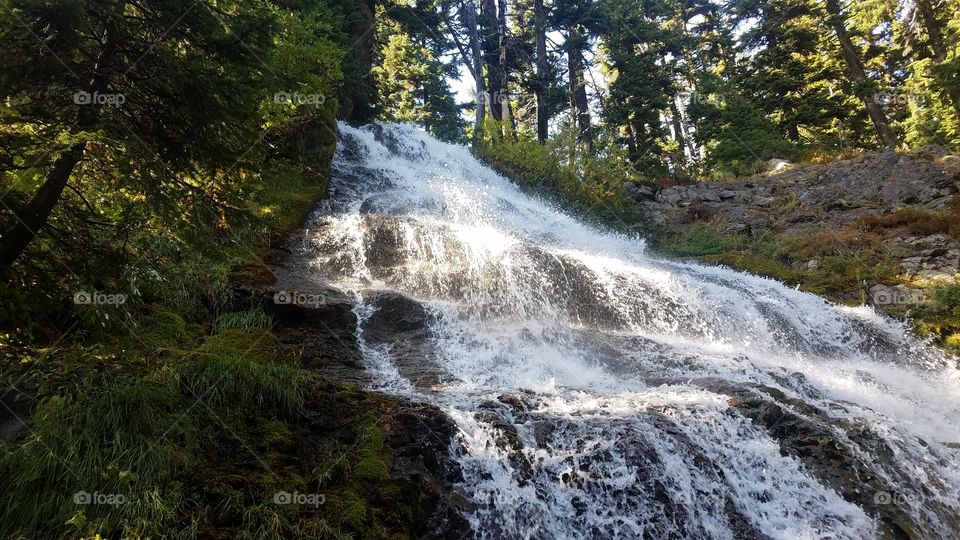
x=637 y=396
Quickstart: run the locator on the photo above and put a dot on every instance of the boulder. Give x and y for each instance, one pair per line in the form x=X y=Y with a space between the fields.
x=776 y=165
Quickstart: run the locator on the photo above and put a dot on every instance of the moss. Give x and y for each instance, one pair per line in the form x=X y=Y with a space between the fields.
x=252 y=273
x=354 y=510
x=257 y=344
x=375 y=461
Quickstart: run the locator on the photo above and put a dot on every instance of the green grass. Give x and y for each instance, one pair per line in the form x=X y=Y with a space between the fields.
x=196 y=445
x=123 y=437
x=845 y=259
x=242 y=320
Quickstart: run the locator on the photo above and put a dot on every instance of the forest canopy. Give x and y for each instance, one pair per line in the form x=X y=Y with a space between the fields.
x=685 y=88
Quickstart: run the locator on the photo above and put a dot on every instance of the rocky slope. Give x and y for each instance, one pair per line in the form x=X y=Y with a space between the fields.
x=412 y=493
x=883 y=228
x=837 y=195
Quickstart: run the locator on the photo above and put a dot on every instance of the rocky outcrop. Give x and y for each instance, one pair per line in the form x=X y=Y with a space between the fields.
x=418 y=438
x=830 y=196
x=400 y=326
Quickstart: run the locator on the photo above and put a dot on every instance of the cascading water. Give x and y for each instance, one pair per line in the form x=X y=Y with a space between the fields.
x=601 y=392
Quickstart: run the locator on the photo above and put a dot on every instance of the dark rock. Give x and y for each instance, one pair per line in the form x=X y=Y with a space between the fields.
x=638 y=192
x=420 y=437
x=419 y=441
x=401 y=325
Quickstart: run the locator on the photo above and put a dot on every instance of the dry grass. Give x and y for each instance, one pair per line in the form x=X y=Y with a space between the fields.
x=919 y=222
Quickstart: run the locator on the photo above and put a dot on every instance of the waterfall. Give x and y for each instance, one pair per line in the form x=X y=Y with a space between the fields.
x=603 y=392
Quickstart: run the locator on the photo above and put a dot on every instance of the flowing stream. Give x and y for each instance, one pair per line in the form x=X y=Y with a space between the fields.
x=602 y=392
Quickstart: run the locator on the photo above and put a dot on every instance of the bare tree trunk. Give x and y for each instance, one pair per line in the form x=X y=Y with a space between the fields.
x=858 y=76
x=540 y=22
x=473 y=59
x=509 y=128
x=34 y=215
x=578 y=88
x=678 y=134
x=491 y=55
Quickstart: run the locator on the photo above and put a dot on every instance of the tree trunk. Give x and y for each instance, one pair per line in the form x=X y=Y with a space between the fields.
x=469 y=20
x=859 y=77
x=34 y=215
x=631 y=140
x=678 y=131
x=31 y=219
x=540 y=88
x=510 y=128
x=491 y=55
x=578 y=88
x=934 y=30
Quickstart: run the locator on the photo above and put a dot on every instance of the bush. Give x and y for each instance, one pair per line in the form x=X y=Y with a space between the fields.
x=594 y=187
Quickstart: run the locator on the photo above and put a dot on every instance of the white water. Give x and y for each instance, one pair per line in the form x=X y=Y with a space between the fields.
x=625 y=367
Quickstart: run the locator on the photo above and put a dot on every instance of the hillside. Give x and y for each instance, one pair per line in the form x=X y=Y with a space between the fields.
x=881 y=229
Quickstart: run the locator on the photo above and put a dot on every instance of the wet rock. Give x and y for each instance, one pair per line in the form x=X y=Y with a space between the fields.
x=395 y=313
x=401 y=146
x=542 y=431
x=419 y=442
x=402 y=326
x=807 y=435
x=383 y=243
x=508 y=437
x=420 y=437
x=518 y=403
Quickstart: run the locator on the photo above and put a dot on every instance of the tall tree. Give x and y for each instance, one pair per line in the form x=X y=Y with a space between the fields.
x=169 y=91
x=490 y=43
x=858 y=75
x=413 y=84
x=575 y=18
x=543 y=70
